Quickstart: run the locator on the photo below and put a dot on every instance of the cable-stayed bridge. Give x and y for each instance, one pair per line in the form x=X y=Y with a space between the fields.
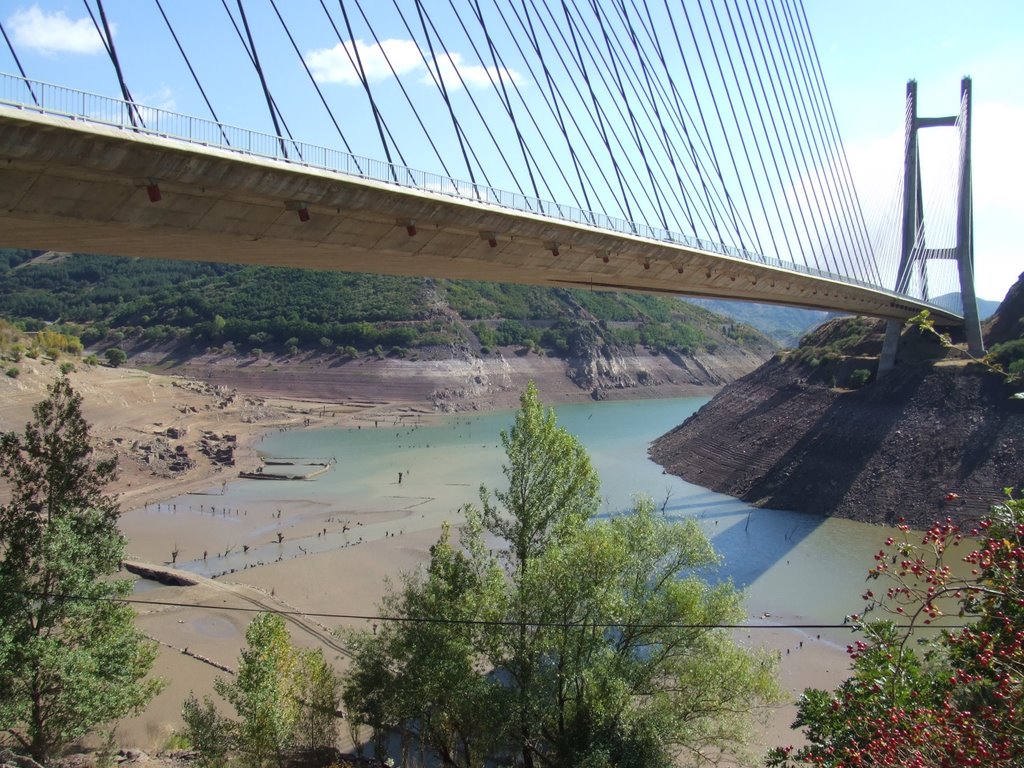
x=683 y=149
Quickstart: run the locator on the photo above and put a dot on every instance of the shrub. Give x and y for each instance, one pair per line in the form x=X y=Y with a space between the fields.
x=67 y=368
x=1008 y=354
x=13 y=371
x=115 y=357
x=859 y=378
x=209 y=733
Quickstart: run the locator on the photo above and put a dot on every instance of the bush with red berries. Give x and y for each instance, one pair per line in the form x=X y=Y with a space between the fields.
x=954 y=698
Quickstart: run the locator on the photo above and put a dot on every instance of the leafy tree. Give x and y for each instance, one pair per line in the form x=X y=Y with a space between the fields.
x=552 y=487
x=956 y=702
x=318 y=690
x=264 y=692
x=116 y=357
x=424 y=678
x=208 y=732
x=587 y=638
x=285 y=699
x=622 y=676
x=70 y=656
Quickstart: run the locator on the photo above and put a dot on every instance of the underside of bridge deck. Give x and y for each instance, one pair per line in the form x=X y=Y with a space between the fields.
x=66 y=185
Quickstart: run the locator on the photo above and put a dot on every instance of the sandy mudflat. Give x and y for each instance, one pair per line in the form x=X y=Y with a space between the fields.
x=130 y=411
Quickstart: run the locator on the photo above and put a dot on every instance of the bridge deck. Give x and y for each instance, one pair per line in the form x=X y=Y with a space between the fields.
x=69 y=185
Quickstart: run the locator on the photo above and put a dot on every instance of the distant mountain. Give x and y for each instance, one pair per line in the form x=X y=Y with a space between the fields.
x=785 y=325
x=986 y=308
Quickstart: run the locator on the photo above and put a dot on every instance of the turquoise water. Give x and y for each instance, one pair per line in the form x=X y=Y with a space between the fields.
x=793 y=566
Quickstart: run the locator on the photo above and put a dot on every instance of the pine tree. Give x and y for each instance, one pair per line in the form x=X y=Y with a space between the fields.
x=70 y=656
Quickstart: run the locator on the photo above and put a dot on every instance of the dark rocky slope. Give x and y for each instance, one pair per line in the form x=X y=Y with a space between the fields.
x=794 y=434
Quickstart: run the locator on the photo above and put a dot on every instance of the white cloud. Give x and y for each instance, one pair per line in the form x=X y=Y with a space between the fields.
x=450 y=67
x=160 y=100
x=340 y=65
x=399 y=57
x=54 y=32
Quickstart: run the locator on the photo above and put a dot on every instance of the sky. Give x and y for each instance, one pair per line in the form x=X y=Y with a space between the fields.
x=867 y=49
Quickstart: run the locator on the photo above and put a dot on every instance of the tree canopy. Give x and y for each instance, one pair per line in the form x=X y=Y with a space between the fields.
x=107 y=300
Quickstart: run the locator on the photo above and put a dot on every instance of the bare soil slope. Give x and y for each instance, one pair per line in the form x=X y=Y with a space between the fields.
x=787 y=437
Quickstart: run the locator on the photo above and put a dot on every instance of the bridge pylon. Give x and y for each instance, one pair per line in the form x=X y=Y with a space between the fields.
x=913 y=239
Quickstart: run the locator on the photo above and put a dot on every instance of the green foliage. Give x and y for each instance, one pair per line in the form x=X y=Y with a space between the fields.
x=264 y=692
x=66 y=665
x=115 y=356
x=13 y=372
x=1009 y=354
x=833 y=341
x=424 y=678
x=1006 y=359
x=319 y=692
x=575 y=645
x=66 y=368
x=860 y=377
x=284 y=699
x=110 y=299
x=552 y=486
x=210 y=734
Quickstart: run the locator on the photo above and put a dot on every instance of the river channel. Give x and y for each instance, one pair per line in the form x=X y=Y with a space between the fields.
x=793 y=567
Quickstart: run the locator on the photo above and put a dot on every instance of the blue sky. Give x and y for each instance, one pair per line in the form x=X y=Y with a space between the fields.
x=868 y=49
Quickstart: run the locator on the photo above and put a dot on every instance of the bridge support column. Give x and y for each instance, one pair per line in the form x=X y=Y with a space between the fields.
x=913 y=242
x=965 y=229
x=887 y=360
x=912 y=215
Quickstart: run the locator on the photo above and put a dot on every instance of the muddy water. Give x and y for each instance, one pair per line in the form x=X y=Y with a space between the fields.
x=395 y=478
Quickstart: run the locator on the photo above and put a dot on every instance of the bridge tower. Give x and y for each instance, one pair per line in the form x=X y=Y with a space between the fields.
x=913 y=240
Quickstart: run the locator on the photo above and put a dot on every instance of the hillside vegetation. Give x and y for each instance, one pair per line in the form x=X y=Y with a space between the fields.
x=112 y=301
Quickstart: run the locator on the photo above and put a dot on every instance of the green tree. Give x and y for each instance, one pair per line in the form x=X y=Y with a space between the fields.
x=318 y=688
x=423 y=679
x=70 y=656
x=625 y=668
x=264 y=692
x=116 y=357
x=209 y=733
x=589 y=638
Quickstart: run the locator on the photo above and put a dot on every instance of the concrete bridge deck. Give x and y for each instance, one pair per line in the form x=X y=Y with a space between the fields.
x=70 y=185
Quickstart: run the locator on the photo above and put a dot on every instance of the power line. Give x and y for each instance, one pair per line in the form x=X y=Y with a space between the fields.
x=470 y=622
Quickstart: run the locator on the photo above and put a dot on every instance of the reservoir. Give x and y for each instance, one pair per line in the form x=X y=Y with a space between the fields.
x=794 y=568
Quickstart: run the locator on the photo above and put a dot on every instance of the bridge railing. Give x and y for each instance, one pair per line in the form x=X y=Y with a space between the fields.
x=57 y=100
